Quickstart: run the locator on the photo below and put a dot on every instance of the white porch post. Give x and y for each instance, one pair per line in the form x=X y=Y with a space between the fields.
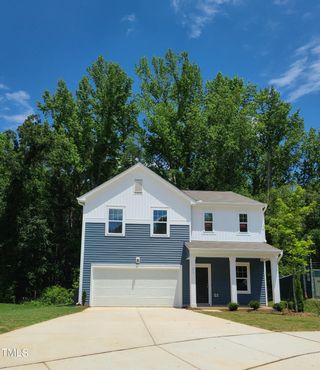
x=233 y=279
x=275 y=279
x=192 y=276
x=265 y=281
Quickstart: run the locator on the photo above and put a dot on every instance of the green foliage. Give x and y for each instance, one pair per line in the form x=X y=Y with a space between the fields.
x=285 y=227
x=290 y=305
x=84 y=297
x=232 y=306
x=254 y=304
x=298 y=294
x=219 y=134
x=280 y=306
x=57 y=295
x=313 y=306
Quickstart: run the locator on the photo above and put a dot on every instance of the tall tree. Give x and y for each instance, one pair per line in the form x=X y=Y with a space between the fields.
x=227 y=135
x=170 y=101
x=278 y=138
x=309 y=171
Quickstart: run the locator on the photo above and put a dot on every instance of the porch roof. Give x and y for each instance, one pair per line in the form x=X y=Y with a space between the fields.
x=231 y=248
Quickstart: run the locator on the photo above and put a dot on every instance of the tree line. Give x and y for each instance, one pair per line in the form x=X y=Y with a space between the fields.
x=219 y=134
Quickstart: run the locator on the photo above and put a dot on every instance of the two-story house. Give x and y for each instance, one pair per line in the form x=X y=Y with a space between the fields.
x=147 y=243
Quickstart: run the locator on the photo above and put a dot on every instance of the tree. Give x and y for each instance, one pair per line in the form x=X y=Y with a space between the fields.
x=309 y=169
x=278 y=136
x=286 y=230
x=171 y=102
x=226 y=139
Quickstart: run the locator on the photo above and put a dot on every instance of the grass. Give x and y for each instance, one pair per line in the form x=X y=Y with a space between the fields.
x=14 y=316
x=270 y=320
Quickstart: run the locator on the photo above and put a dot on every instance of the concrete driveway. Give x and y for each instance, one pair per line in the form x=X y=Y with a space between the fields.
x=154 y=338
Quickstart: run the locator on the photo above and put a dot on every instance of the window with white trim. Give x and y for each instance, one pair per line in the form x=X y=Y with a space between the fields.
x=208 y=221
x=115 y=221
x=243 y=222
x=243 y=277
x=160 y=222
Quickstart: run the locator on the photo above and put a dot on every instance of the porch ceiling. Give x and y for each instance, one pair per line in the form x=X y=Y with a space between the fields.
x=226 y=249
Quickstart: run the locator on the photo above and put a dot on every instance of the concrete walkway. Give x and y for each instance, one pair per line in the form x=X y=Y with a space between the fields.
x=155 y=338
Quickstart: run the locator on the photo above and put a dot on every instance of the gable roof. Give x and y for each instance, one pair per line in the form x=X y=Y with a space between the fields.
x=193 y=196
x=221 y=197
x=82 y=199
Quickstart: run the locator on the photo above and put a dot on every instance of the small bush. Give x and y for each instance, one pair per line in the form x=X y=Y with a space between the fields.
x=254 y=304
x=313 y=306
x=299 y=293
x=280 y=306
x=233 y=306
x=84 y=297
x=57 y=295
x=290 y=305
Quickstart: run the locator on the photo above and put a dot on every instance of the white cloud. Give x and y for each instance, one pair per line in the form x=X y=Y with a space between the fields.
x=3 y=87
x=130 y=19
x=15 y=107
x=195 y=15
x=303 y=75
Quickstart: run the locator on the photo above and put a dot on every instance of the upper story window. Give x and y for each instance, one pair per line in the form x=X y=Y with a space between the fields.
x=115 y=221
x=160 y=222
x=138 y=186
x=208 y=221
x=243 y=277
x=243 y=222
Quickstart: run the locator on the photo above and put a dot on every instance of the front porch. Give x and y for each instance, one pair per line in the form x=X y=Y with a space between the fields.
x=223 y=272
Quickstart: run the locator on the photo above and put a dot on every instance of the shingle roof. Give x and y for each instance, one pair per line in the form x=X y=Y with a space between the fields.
x=221 y=197
x=232 y=246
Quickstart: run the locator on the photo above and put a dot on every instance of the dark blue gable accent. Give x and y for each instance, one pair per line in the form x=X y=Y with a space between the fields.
x=137 y=242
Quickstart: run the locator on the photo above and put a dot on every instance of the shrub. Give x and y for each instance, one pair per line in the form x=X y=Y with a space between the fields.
x=233 y=306
x=313 y=306
x=84 y=297
x=290 y=305
x=298 y=293
x=57 y=295
x=280 y=306
x=254 y=304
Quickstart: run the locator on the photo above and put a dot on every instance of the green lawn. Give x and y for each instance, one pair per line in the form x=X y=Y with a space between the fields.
x=270 y=321
x=14 y=316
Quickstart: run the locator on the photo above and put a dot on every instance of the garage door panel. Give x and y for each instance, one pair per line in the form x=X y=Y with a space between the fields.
x=113 y=286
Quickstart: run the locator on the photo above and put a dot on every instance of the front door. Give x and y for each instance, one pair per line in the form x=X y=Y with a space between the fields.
x=202 y=285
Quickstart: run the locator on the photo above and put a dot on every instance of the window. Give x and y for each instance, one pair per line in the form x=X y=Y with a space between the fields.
x=115 y=221
x=138 y=186
x=243 y=222
x=208 y=222
x=243 y=277
x=160 y=220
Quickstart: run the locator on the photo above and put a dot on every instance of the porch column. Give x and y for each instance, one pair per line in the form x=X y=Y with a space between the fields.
x=233 y=279
x=275 y=279
x=192 y=275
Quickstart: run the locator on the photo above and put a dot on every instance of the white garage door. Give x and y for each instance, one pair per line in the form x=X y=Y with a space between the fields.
x=131 y=285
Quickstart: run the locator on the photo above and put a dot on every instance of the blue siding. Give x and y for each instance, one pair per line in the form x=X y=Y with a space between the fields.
x=220 y=275
x=257 y=282
x=99 y=248
x=137 y=242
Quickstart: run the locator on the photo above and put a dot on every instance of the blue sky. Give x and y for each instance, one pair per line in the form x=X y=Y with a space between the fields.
x=264 y=41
